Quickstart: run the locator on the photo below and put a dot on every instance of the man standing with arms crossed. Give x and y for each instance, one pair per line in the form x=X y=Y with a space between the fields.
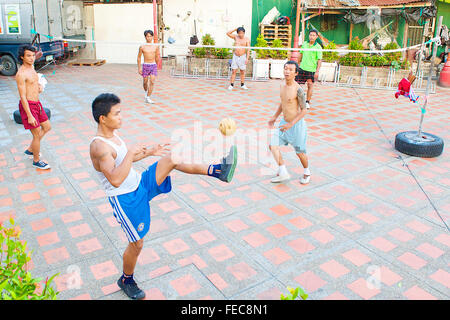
x=33 y=115
x=149 y=69
x=240 y=59
x=309 y=62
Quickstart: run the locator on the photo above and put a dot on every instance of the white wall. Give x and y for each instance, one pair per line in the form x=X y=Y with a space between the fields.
x=121 y=22
x=215 y=17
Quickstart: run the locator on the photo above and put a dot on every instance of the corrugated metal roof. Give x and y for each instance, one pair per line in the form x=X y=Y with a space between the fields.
x=356 y=3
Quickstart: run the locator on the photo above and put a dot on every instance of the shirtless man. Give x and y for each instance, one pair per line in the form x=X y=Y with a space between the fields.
x=149 y=69
x=240 y=60
x=33 y=115
x=292 y=128
x=129 y=192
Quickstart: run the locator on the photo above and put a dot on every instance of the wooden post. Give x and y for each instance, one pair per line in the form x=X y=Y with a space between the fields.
x=303 y=26
x=351 y=33
x=405 y=39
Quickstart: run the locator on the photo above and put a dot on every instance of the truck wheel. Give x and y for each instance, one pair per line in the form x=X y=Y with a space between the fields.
x=8 y=66
x=18 y=119
x=428 y=146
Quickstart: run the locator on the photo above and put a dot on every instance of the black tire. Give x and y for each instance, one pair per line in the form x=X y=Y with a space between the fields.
x=429 y=146
x=8 y=65
x=18 y=119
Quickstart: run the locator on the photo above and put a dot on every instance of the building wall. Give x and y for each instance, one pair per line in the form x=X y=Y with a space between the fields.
x=213 y=17
x=121 y=23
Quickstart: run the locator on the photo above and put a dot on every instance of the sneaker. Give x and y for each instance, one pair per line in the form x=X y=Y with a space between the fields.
x=244 y=87
x=307 y=105
x=29 y=153
x=228 y=165
x=148 y=100
x=41 y=165
x=230 y=88
x=131 y=289
x=280 y=178
x=304 y=180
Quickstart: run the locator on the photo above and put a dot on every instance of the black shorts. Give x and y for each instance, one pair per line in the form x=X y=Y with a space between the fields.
x=303 y=76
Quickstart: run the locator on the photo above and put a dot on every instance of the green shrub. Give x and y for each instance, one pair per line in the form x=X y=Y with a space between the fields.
x=199 y=52
x=222 y=53
x=278 y=54
x=261 y=53
x=294 y=294
x=392 y=56
x=16 y=283
x=354 y=59
x=330 y=56
x=378 y=61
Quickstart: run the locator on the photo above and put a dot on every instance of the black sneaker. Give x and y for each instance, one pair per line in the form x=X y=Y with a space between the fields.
x=228 y=165
x=131 y=289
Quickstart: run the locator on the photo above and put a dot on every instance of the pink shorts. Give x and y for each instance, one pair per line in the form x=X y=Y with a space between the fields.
x=36 y=110
x=149 y=69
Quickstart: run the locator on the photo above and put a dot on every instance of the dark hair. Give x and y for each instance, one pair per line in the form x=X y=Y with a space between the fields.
x=22 y=50
x=297 y=68
x=314 y=30
x=102 y=105
x=240 y=29
x=147 y=32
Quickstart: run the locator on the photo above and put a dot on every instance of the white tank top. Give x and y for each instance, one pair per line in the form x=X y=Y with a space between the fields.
x=133 y=179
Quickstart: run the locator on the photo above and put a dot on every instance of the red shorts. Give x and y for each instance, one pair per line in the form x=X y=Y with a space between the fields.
x=36 y=110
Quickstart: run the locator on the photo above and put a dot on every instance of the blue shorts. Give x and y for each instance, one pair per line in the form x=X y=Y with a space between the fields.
x=132 y=210
x=295 y=136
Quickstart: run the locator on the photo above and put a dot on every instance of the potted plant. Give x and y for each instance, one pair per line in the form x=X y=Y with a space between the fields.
x=262 y=62
x=351 y=65
x=278 y=59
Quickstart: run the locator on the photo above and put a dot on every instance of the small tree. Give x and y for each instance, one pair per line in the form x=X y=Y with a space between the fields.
x=261 y=53
x=278 y=54
x=330 y=56
x=16 y=283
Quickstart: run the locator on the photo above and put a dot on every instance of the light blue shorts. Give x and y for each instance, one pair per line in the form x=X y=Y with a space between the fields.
x=132 y=210
x=295 y=136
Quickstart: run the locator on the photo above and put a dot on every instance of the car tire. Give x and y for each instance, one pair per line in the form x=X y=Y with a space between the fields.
x=429 y=146
x=18 y=119
x=8 y=66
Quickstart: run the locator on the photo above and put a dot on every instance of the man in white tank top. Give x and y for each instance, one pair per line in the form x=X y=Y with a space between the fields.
x=129 y=192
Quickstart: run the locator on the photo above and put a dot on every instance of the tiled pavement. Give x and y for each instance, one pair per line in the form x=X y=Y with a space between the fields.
x=368 y=226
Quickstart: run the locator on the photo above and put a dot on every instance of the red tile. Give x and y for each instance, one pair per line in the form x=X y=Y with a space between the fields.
x=104 y=270
x=417 y=293
x=430 y=250
x=300 y=245
x=259 y=217
x=154 y=294
x=278 y=230
x=56 y=255
x=199 y=197
x=35 y=208
x=388 y=277
x=367 y=218
x=356 y=257
x=322 y=236
x=334 y=268
x=169 y=206
x=221 y=253
x=185 y=285
x=256 y=196
x=401 y=235
x=361 y=288
x=57 y=191
x=113 y=287
x=444 y=239
x=71 y=216
x=255 y=239
x=41 y=224
x=309 y=281
x=270 y=294
x=281 y=210
x=159 y=272
x=214 y=208
x=80 y=230
x=51 y=181
x=194 y=259
x=412 y=260
x=241 y=271
x=89 y=246
x=30 y=197
x=345 y=206
x=443 y=277
x=336 y=296
x=236 y=202
x=22 y=187
x=236 y=225
x=349 y=225
x=48 y=239
x=277 y=256
x=175 y=246
x=84 y=296
x=182 y=218
x=203 y=237
x=382 y=244
x=300 y=222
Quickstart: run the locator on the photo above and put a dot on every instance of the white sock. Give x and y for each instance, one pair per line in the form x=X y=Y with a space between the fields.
x=306 y=171
x=282 y=170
